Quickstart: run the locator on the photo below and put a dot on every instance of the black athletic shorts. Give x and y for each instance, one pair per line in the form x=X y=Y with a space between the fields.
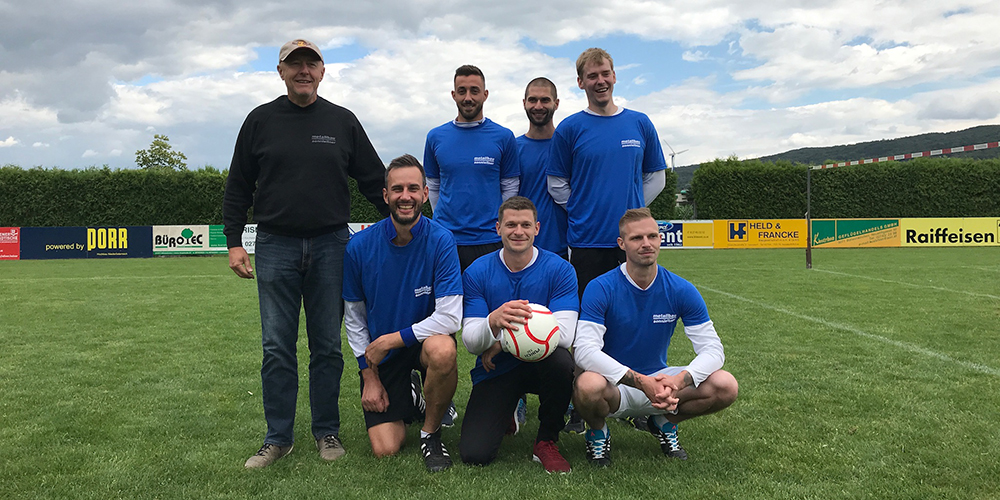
x=593 y=262
x=395 y=376
x=467 y=254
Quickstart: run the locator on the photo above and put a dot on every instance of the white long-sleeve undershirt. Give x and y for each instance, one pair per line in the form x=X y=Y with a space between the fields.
x=445 y=320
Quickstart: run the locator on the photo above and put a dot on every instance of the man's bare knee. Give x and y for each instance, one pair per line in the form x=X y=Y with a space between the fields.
x=385 y=449
x=727 y=389
x=439 y=354
x=589 y=388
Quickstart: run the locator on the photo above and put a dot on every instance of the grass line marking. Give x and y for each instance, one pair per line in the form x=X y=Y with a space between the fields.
x=903 y=345
x=914 y=285
x=113 y=278
x=994 y=269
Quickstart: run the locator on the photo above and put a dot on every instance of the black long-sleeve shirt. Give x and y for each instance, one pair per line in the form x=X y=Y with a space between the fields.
x=291 y=164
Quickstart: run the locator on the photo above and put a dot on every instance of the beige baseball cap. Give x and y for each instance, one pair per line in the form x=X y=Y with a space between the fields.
x=297 y=44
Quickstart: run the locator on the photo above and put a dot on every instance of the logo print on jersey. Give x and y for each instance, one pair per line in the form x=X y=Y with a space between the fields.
x=424 y=290
x=483 y=160
x=324 y=139
x=664 y=318
x=631 y=143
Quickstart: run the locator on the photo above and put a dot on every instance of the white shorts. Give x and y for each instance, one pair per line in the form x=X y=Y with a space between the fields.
x=634 y=402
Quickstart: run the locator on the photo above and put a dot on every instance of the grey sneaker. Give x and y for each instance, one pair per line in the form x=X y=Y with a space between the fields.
x=266 y=455
x=575 y=424
x=330 y=448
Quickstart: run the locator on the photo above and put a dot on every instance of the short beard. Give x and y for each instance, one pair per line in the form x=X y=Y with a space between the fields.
x=547 y=120
x=405 y=222
x=475 y=112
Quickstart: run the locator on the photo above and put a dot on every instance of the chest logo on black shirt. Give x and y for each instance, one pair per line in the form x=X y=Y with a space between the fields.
x=631 y=143
x=483 y=160
x=664 y=318
x=424 y=290
x=324 y=139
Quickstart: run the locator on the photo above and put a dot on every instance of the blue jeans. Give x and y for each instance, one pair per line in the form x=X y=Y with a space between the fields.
x=292 y=272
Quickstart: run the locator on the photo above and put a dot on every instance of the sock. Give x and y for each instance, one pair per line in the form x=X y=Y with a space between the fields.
x=664 y=425
x=424 y=433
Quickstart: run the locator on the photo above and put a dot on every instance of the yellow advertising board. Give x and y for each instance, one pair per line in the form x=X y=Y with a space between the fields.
x=855 y=233
x=761 y=233
x=697 y=234
x=968 y=232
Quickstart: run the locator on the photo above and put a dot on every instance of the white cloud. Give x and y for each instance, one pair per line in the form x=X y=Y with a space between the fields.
x=694 y=56
x=8 y=142
x=193 y=62
x=88 y=153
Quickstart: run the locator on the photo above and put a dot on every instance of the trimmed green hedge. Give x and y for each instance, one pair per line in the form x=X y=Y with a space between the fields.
x=924 y=187
x=733 y=189
x=105 y=197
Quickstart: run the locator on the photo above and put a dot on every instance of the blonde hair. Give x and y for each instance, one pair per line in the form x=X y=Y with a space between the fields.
x=632 y=215
x=592 y=55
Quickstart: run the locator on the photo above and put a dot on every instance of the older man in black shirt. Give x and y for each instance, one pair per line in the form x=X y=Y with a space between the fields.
x=291 y=162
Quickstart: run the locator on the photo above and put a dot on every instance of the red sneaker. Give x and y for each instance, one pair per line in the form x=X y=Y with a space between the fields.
x=547 y=454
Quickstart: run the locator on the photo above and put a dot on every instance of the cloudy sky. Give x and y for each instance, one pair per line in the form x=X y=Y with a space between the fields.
x=89 y=83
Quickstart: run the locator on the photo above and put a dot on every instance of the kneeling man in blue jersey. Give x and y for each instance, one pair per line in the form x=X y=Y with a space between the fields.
x=627 y=317
x=498 y=287
x=403 y=293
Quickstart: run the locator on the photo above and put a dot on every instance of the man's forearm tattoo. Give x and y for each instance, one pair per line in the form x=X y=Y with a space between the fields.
x=630 y=379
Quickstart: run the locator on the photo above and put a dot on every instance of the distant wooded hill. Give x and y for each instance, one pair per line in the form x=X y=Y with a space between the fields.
x=874 y=149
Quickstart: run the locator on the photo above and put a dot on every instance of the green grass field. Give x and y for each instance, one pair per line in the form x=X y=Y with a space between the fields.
x=874 y=375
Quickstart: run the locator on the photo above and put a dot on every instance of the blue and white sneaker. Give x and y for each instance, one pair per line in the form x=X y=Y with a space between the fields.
x=668 y=440
x=521 y=412
x=598 y=447
x=519 y=417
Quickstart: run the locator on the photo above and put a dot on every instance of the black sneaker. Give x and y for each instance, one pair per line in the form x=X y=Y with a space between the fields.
x=575 y=424
x=598 y=447
x=668 y=441
x=436 y=456
x=449 y=417
x=639 y=423
x=416 y=390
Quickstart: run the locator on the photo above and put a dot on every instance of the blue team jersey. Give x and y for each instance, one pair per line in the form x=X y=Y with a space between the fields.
x=534 y=155
x=604 y=158
x=400 y=284
x=469 y=162
x=640 y=323
x=550 y=281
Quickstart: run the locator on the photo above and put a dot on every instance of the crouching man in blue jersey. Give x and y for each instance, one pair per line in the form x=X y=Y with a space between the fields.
x=498 y=287
x=627 y=317
x=403 y=293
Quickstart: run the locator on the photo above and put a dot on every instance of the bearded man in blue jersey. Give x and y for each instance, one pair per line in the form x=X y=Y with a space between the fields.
x=540 y=104
x=403 y=293
x=498 y=288
x=472 y=166
x=627 y=317
x=605 y=159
